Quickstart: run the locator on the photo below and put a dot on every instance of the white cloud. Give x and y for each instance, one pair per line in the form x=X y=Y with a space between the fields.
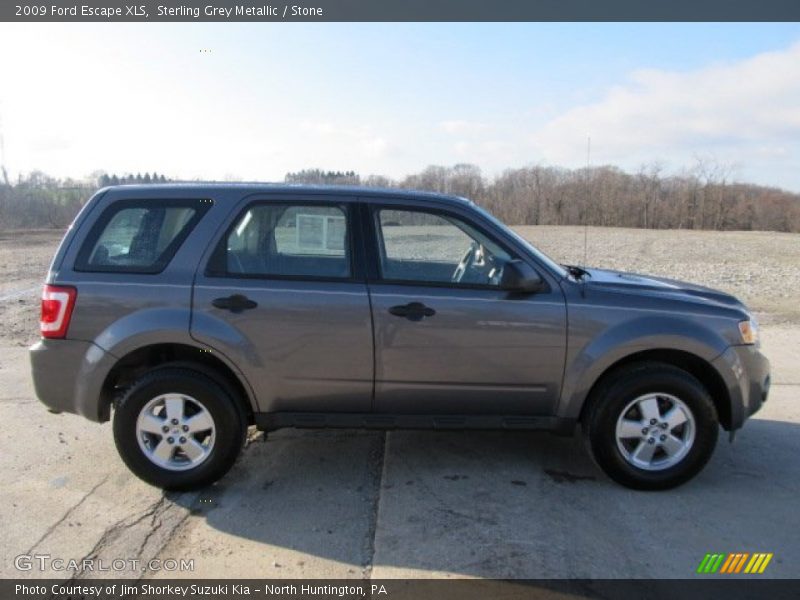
x=458 y=127
x=728 y=110
x=357 y=142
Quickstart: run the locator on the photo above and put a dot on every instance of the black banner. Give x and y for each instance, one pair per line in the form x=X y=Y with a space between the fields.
x=400 y=10
x=729 y=588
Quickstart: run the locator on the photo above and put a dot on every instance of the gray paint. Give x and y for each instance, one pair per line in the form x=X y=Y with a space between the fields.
x=482 y=352
x=331 y=346
x=306 y=347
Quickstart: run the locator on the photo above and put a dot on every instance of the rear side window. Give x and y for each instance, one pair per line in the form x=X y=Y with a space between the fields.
x=286 y=240
x=139 y=236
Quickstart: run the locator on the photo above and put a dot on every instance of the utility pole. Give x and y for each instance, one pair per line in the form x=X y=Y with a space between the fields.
x=3 y=170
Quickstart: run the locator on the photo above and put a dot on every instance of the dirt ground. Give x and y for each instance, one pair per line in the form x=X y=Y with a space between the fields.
x=762 y=268
x=360 y=504
x=24 y=259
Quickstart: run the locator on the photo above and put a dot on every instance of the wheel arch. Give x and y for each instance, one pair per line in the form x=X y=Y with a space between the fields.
x=145 y=358
x=695 y=365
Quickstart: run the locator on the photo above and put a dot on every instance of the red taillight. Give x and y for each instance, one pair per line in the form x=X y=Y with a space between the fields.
x=57 y=304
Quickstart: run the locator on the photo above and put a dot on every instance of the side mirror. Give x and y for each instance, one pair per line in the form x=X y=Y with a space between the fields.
x=519 y=276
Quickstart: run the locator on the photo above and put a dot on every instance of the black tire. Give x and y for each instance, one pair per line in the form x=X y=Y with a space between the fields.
x=615 y=393
x=229 y=421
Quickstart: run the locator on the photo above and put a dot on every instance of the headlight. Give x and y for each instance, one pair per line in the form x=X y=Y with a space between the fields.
x=749 y=331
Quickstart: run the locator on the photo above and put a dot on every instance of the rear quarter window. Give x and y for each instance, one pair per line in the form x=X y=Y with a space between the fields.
x=139 y=236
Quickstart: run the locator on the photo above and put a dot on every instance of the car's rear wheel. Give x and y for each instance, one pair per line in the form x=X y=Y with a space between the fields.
x=651 y=426
x=178 y=429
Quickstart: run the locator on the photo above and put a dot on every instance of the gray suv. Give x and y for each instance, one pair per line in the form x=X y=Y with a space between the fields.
x=195 y=311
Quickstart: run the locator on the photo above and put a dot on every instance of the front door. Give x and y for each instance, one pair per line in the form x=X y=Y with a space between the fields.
x=282 y=299
x=448 y=340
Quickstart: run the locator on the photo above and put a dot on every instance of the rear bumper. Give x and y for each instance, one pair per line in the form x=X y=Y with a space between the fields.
x=67 y=376
x=747 y=376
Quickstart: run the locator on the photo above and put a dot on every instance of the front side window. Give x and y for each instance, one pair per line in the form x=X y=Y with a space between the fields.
x=288 y=240
x=138 y=237
x=437 y=248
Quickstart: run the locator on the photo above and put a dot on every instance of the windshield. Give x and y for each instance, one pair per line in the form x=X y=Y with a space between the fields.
x=535 y=251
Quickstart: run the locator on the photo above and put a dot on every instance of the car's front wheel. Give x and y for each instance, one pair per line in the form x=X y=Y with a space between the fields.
x=178 y=429
x=651 y=426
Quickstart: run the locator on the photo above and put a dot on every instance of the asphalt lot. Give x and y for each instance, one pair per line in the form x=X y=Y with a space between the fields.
x=402 y=504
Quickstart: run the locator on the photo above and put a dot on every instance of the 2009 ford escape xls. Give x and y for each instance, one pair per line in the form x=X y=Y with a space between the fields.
x=196 y=310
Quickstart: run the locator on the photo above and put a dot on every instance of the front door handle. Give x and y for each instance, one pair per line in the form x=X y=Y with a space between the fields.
x=236 y=303
x=413 y=311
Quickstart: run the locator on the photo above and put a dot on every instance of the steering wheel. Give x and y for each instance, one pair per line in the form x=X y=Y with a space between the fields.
x=238 y=267
x=465 y=263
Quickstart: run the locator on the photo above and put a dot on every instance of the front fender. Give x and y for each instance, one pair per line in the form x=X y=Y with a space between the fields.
x=590 y=354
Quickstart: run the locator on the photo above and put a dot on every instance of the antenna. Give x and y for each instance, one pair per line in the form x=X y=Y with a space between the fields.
x=586 y=202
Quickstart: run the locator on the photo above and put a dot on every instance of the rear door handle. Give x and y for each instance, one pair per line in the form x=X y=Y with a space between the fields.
x=236 y=303
x=413 y=311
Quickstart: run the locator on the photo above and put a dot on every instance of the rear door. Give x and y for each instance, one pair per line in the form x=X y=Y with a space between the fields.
x=284 y=297
x=448 y=340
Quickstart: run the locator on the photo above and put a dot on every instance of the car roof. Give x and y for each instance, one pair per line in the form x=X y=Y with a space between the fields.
x=288 y=188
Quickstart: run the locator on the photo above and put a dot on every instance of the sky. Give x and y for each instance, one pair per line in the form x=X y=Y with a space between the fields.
x=254 y=101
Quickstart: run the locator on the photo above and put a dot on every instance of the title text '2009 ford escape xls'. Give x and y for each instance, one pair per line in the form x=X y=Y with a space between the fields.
x=196 y=310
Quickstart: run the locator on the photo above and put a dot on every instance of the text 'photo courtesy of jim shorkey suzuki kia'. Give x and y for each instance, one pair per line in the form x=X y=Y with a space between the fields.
x=190 y=312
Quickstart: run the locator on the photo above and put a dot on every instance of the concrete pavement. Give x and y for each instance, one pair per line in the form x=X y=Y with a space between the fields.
x=399 y=504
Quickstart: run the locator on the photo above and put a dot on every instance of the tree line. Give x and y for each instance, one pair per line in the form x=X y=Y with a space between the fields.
x=104 y=180
x=703 y=197
x=37 y=200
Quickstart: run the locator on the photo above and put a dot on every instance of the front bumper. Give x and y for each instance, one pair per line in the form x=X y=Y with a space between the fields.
x=68 y=376
x=746 y=373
